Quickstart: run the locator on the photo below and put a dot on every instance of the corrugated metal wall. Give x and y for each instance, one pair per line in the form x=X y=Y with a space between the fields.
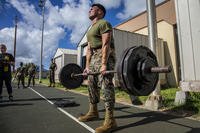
x=69 y=58
x=124 y=40
x=188 y=20
x=58 y=61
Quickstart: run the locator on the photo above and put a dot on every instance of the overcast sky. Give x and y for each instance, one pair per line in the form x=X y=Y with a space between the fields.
x=65 y=23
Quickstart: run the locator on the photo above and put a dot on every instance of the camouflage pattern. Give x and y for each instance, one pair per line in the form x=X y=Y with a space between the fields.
x=31 y=74
x=100 y=81
x=20 y=74
x=52 y=69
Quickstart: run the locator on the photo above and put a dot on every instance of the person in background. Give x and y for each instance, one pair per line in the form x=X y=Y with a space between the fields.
x=6 y=60
x=52 y=69
x=20 y=74
x=31 y=74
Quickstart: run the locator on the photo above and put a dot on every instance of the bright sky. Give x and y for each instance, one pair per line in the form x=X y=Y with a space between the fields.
x=65 y=23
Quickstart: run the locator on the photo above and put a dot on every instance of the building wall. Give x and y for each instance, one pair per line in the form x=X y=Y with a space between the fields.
x=63 y=60
x=68 y=58
x=164 y=11
x=81 y=52
x=59 y=63
x=166 y=32
x=79 y=55
x=124 y=40
x=188 y=21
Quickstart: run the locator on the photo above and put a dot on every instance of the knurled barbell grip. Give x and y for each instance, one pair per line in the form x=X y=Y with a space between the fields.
x=91 y=73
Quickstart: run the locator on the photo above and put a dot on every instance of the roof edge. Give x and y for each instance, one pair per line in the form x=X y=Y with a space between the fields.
x=141 y=13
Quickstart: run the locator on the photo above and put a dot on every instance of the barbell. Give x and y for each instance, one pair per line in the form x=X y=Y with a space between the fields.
x=137 y=72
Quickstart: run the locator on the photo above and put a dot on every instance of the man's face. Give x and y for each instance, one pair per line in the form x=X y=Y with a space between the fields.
x=93 y=12
x=2 y=49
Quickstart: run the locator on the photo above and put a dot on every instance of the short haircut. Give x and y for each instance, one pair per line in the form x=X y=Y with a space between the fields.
x=3 y=45
x=100 y=7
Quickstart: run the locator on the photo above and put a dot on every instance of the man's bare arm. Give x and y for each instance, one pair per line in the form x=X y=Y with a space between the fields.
x=106 y=40
x=88 y=55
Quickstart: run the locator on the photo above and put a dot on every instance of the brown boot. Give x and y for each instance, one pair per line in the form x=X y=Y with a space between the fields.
x=49 y=85
x=109 y=123
x=53 y=84
x=92 y=114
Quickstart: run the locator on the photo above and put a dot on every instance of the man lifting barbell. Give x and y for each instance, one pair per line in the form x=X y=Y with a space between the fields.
x=100 y=57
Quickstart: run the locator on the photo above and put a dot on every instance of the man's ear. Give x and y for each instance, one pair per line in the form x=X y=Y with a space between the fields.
x=100 y=12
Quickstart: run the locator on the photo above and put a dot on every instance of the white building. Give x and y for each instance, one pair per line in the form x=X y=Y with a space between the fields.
x=63 y=57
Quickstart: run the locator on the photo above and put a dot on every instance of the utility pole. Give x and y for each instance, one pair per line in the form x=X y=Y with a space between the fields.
x=15 y=38
x=154 y=101
x=42 y=6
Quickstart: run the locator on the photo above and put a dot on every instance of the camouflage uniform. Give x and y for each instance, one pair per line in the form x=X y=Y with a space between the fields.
x=31 y=74
x=100 y=81
x=100 y=57
x=20 y=75
x=52 y=69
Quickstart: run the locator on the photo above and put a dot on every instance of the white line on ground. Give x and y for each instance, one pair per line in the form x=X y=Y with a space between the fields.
x=65 y=112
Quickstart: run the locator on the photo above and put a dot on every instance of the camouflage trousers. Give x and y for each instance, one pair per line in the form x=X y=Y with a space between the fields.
x=20 y=78
x=52 y=76
x=105 y=83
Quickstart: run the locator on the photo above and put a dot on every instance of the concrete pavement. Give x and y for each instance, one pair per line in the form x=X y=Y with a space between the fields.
x=33 y=111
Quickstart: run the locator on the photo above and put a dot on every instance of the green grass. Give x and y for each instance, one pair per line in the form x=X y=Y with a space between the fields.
x=169 y=96
x=191 y=108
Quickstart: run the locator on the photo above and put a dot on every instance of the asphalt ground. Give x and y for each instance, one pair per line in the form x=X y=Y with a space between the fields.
x=34 y=111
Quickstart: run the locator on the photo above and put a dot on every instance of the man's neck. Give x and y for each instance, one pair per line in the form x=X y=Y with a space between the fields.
x=95 y=20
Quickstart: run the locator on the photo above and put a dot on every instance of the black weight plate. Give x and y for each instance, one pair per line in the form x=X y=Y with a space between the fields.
x=146 y=74
x=120 y=70
x=139 y=68
x=132 y=79
x=67 y=80
x=130 y=70
x=149 y=79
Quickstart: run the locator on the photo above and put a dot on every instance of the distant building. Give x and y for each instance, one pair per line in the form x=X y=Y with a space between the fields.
x=63 y=57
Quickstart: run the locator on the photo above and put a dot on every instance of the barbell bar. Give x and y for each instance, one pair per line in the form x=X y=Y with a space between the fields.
x=160 y=69
x=91 y=73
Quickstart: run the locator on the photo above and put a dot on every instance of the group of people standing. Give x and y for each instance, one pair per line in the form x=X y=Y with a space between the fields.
x=23 y=71
x=28 y=70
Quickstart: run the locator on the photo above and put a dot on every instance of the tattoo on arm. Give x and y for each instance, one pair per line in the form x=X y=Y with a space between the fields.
x=88 y=55
x=106 y=40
